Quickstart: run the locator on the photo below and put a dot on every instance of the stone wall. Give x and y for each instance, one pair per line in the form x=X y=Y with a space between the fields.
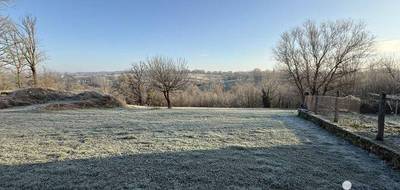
x=391 y=156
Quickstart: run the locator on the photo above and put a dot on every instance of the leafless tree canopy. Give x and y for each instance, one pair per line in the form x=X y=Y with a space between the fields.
x=4 y=39
x=167 y=75
x=14 y=55
x=137 y=81
x=31 y=51
x=19 y=47
x=393 y=69
x=269 y=89
x=316 y=56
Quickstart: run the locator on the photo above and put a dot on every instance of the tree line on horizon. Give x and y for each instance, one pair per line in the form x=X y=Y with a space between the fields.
x=313 y=58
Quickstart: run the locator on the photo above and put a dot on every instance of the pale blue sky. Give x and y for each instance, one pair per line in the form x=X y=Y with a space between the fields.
x=104 y=35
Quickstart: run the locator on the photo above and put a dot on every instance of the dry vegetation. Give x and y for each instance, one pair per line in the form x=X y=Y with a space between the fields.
x=180 y=148
x=191 y=148
x=58 y=100
x=313 y=58
x=367 y=125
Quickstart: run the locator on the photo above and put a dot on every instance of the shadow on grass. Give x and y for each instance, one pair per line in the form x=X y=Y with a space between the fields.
x=320 y=161
x=282 y=167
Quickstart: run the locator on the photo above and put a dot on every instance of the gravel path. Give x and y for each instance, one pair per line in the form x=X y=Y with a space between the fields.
x=183 y=148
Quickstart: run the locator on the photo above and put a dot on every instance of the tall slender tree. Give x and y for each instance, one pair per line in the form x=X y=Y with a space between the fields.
x=14 y=52
x=138 y=80
x=31 y=53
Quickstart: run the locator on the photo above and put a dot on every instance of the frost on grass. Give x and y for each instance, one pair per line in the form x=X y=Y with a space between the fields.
x=367 y=125
x=179 y=148
x=48 y=136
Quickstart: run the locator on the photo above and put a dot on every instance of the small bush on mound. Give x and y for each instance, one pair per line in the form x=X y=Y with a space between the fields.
x=62 y=100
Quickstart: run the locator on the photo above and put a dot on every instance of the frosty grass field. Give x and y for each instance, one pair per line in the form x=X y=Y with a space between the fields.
x=182 y=148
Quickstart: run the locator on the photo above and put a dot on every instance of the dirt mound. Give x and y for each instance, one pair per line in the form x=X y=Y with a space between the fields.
x=102 y=101
x=39 y=95
x=58 y=100
x=89 y=95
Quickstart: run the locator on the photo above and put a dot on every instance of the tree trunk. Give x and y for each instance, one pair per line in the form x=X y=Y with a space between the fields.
x=18 y=79
x=140 y=99
x=303 y=97
x=34 y=76
x=325 y=91
x=316 y=103
x=335 y=119
x=166 y=95
x=266 y=99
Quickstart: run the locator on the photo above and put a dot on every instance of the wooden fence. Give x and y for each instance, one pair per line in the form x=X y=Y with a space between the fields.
x=327 y=103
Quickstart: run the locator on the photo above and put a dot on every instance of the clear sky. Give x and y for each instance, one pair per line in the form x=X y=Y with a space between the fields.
x=108 y=35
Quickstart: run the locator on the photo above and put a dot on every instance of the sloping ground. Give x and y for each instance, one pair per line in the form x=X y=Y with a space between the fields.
x=180 y=149
x=58 y=100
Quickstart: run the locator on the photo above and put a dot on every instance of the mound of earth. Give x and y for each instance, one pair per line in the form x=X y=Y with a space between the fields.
x=87 y=99
x=58 y=100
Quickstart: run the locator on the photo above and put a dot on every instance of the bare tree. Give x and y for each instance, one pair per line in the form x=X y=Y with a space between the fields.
x=4 y=29
x=268 y=91
x=31 y=51
x=4 y=39
x=316 y=57
x=167 y=75
x=138 y=80
x=14 y=52
x=246 y=95
x=393 y=68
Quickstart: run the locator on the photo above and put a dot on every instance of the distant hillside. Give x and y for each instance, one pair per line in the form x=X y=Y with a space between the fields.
x=203 y=79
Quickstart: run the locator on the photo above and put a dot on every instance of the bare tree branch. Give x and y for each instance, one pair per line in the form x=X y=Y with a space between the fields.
x=393 y=69
x=138 y=80
x=316 y=57
x=33 y=56
x=168 y=75
x=14 y=52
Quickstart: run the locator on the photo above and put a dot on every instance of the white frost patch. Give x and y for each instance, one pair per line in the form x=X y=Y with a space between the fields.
x=180 y=149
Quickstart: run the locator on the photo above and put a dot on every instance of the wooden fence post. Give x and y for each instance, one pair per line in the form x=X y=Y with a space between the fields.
x=381 y=117
x=335 y=119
